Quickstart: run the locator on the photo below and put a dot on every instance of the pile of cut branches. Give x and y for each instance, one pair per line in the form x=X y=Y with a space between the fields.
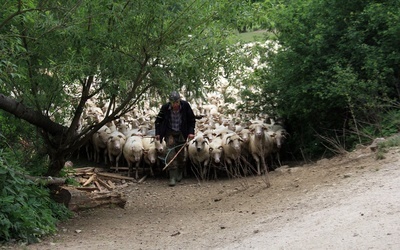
x=96 y=188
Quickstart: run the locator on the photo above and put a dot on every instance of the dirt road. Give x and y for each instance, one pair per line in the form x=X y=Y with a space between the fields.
x=349 y=202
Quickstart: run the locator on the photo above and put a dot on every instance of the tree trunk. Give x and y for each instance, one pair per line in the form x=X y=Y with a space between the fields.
x=77 y=200
x=57 y=162
x=32 y=116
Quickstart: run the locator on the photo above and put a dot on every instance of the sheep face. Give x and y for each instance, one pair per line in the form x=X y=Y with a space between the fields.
x=200 y=144
x=216 y=154
x=150 y=155
x=257 y=130
x=115 y=143
x=159 y=146
x=234 y=142
x=280 y=137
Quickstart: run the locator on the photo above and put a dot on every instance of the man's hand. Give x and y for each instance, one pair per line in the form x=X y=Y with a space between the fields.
x=190 y=136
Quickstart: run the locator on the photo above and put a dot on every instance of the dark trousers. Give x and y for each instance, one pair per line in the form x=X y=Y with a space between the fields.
x=175 y=142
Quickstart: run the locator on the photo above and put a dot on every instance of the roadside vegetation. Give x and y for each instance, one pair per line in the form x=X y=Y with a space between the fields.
x=27 y=211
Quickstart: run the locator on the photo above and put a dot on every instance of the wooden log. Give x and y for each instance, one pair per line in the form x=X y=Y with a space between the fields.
x=92 y=178
x=81 y=180
x=46 y=180
x=86 y=173
x=88 y=189
x=111 y=184
x=116 y=176
x=120 y=168
x=103 y=183
x=97 y=184
x=142 y=179
x=77 y=200
x=86 y=169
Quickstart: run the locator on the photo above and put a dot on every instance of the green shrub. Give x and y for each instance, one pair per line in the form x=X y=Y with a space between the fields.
x=27 y=211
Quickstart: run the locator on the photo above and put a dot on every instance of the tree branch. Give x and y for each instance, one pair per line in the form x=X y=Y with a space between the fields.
x=32 y=116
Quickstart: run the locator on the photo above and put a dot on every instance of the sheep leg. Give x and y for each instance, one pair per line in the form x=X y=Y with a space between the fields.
x=227 y=167
x=203 y=169
x=257 y=159
x=278 y=157
x=264 y=164
x=116 y=161
x=95 y=158
x=110 y=158
x=151 y=170
x=105 y=156
x=137 y=171
x=129 y=168
x=88 y=154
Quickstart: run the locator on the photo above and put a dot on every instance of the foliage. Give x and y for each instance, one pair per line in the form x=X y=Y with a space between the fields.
x=26 y=211
x=392 y=141
x=58 y=55
x=251 y=15
x=336 y=68
x=25 y=141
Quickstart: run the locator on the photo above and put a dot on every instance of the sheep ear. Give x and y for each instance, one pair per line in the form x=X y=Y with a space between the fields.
x=193 y=141
x=228 y=139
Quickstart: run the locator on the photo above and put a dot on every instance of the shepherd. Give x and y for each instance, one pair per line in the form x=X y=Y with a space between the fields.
x=175 y=123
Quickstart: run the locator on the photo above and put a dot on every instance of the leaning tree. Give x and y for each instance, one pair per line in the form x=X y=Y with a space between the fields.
x=57 y=55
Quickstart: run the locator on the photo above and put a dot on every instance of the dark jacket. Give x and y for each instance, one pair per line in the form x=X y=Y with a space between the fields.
x=163 y=124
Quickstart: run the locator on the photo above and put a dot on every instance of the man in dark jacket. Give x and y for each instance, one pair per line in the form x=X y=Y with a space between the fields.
x=175 y=123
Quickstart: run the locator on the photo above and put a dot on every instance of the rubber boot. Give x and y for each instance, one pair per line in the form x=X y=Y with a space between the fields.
x=179 y=174
x=172 y=177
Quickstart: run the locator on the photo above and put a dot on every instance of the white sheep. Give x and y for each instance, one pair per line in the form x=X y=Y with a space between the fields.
x=133 y=152
x=150 y=153
x=245 y=134
x=231 y=144
x=115 y=145
x=111 y=125
x=209 y=134
x=199 y=154
x=279 y=138
x=258 y=146
x=99 y=140
x=221 y=131
x=123 y=127
x=216 y=154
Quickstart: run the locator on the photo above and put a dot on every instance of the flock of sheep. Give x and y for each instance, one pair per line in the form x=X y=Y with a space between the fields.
x=224 y=144
x=234 y=145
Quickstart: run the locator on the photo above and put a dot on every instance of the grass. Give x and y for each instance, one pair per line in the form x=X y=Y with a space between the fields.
x=254 y=36
x=393 y=141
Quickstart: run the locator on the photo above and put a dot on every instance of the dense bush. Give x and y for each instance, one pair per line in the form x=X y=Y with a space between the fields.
x=336 y=72
x=26 y=142
x=26 y=211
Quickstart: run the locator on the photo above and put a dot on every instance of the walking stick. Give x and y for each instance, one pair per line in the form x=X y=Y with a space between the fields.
x=173 y=158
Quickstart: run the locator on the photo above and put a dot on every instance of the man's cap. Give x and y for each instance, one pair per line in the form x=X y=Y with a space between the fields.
x=174 y=96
